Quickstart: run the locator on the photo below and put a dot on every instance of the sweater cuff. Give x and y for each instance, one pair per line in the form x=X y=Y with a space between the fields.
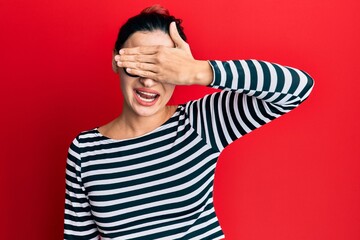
x=216 y=74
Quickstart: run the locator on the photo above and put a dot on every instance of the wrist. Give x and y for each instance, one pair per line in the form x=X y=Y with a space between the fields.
x=203 y=73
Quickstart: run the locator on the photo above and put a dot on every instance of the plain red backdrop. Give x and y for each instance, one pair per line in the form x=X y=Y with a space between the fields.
x=296 y=178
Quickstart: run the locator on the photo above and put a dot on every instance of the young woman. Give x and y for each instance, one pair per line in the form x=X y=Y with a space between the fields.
x=148 y=174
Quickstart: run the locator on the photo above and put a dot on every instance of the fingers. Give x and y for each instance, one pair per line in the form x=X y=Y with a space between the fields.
x=143 y=73
x=146 y=50
x=138 y=66
x=175 y=36
x=142 y=54
x=135 y=58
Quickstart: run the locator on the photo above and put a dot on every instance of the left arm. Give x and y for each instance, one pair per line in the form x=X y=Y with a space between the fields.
x=255 y=93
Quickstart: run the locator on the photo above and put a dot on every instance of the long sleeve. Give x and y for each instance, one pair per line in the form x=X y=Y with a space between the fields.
x=255 y=93
x=78 y=223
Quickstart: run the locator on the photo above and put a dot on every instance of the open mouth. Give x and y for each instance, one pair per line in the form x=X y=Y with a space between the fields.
x=146 y=96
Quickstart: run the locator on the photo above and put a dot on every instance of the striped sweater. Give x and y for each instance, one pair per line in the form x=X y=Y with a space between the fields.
x=160 y=185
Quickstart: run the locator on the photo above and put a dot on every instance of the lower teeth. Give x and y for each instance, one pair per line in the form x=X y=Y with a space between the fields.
x=146 y=99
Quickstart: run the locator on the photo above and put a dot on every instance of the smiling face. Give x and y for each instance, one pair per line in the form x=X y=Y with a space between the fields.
x=143 y=96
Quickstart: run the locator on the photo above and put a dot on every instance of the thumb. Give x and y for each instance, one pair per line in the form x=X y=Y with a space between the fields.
x=175 y=37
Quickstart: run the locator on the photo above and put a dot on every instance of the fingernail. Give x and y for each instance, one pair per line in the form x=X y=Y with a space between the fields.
x=121 y=51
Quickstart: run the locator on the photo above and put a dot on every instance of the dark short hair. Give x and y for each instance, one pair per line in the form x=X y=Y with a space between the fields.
x=150 y=19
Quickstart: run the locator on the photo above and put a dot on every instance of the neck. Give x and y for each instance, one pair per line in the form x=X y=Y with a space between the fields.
x=129 y=124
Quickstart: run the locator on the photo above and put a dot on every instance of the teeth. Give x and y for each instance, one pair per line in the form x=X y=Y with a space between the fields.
x=146 y=99
x=148 y=94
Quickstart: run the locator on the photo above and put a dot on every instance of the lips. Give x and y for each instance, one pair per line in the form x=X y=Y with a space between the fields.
x=146 y=97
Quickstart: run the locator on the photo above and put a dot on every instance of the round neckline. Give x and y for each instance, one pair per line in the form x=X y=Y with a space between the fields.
x=140 y=136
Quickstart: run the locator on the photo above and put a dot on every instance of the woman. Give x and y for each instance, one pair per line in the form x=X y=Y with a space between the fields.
x=149 y=173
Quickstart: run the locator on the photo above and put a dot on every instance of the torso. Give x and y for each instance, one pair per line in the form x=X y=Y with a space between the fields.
x=139 y=186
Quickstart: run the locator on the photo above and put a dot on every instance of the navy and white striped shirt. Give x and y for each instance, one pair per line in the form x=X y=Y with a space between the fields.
x=160 y=185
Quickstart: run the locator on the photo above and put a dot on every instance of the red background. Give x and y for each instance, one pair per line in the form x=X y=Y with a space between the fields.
x=296 y=178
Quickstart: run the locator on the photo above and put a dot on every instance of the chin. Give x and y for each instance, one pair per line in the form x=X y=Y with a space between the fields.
x=147 y=111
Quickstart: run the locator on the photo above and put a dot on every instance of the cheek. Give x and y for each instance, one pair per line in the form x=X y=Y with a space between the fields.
x=169 y=90
x=124 y=84
x=126 y=91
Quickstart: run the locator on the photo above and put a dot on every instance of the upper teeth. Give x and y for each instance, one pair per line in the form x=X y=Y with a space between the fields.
x=148 y=94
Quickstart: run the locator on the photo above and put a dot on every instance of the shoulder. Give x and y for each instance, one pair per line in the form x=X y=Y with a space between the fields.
x=87 y=134
x=85 y=142
x=84 y=138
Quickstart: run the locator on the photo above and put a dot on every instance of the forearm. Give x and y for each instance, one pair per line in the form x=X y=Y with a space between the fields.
x=266 y=81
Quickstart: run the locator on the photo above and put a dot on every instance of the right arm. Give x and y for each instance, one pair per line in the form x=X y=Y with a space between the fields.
x=78 y=220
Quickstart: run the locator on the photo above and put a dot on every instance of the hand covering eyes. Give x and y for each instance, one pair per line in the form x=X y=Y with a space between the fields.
x=130 y=75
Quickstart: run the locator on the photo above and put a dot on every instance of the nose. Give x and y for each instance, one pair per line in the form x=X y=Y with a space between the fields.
x=147 y=82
